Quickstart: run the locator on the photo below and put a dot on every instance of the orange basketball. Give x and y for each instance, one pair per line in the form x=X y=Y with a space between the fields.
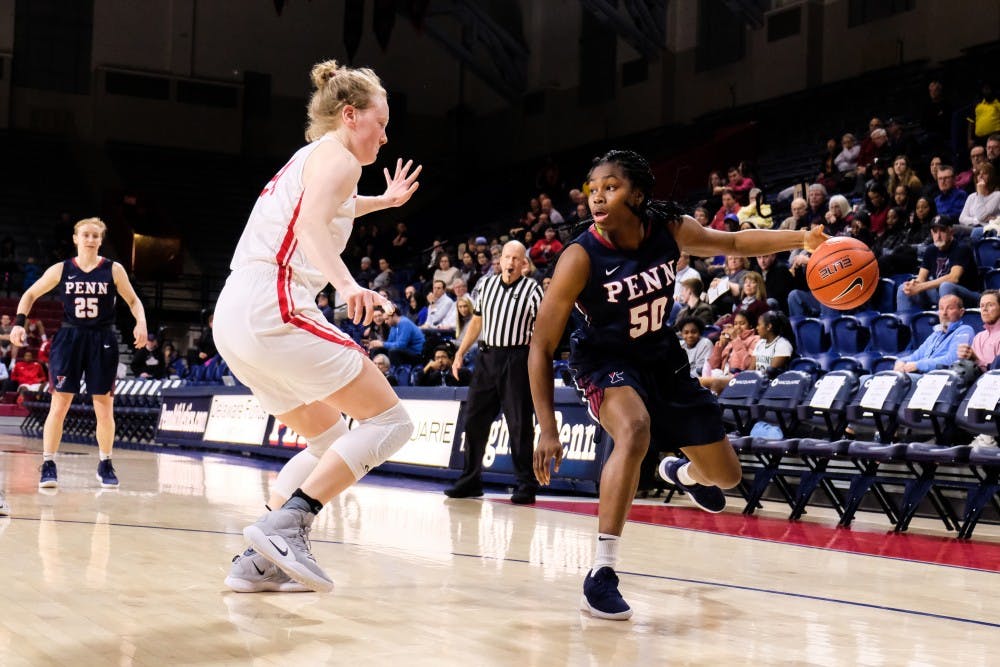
x=842 y=273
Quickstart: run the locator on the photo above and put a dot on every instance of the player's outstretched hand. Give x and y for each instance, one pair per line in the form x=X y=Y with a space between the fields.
x=401 y=185
x=549 y=450
x=814 y=238
x=361 y=304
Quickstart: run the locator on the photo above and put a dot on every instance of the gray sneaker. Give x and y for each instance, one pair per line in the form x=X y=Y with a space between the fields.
x=252 y=573
x=282 y=537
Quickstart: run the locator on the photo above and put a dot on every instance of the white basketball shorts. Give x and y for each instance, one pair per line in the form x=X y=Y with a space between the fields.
x=277 y=342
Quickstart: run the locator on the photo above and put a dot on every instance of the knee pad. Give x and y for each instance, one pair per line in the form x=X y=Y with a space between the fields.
x=375 y=440
x=320 y=443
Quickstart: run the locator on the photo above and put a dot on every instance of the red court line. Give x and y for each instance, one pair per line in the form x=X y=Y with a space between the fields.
x=905 y=546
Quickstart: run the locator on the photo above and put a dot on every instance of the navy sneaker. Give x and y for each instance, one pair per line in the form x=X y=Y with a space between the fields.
x=106 y=475
x=709 y=498
x=49 y=479
x=601 y=598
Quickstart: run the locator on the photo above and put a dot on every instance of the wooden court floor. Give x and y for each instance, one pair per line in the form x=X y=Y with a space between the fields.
x=134 y=577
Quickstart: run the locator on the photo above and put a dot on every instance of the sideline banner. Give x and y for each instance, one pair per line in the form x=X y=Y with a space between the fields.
x=183 y=419
x=236 y=419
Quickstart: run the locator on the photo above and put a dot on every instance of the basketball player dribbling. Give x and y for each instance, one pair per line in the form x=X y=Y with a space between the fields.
x=301 y=368
x=85 y=345
x=627 y=361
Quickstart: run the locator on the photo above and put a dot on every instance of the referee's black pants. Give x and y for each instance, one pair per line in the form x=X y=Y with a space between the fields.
x=499 y=380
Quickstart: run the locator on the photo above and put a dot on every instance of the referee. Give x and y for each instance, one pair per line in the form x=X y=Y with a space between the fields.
x=505 y=316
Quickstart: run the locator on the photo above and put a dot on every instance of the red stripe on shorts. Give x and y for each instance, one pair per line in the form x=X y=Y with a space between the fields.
x=325 y=331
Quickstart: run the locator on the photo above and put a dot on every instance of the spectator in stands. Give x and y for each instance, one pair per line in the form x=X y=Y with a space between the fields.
x=731 y=353
x=828 y=176
x=468 y=270
x=876 y=206
x=702 y=215
x=377 y=330
x=204 y=350
x=323 y=303
x=175 y=365
x=437 y=249
x=401 y=248
x=778 y=281
x=861 y=228
x=993 y=151
x=28 y=372
x=579 y=214
x=837 y=220
x=366 y=275
x=924 y=213
x=693 y=307
x=816 y=197
x=947 y=268
x=148 y=361
x=35 y=330
x=986 y=113
x=405 y=342
x=31 y=272
x=986 y=345
x=901 y=142
x=878 y=173
x=555 y=217
x=798 y=219
x=384 y=365
x=936 y=117
x=6 y=324
x=931 y=187
x=458 y=289
x=440 y=309
x=984 y=204
x=437 y=371
x=903 y=198
x=483 y=260
x=729 y=205
x=385 y=276
x=893 y=235
x=940 y=349
x=757 y=213
x=735 y=269
x=415 y=307
x=694 y=343
x=740 y=184
x=773 y=351
x=463 y=315
x=846 y=160
x=967 y=179
x=445 y=272
x=874 y=147
x=6 y=384
x=682 y=271
x=716 y=184
x=949 y=200
x=545 y=249
x=752 y=298
x=902 y=174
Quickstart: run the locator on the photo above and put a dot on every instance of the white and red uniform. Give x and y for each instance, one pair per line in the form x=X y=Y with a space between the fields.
x=267 y=326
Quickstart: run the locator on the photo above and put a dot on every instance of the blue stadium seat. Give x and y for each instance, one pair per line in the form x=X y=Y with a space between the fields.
x=402 y=374
x=780 y=401
x=806 y=365
x=883 y=363
x=923 y=459
x=987 y=254
x=985 y=463
x=978 y=420
x=810 y=337
x=739 y=396
x=973 y=317
x=921 y=326
x=888 y=334
x=848 y=335
x=991 y=279
x=939 y=419
x=884 y=299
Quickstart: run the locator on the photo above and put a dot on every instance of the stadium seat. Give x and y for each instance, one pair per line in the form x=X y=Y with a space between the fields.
x=923 y=460
x=987 y=254
x=810 y=337
x=985 y=464
x=780 y=401
x=806 y=365
x=739 y=396
x=884 y=299
x=889 y=335
x=991 y=279
x=922 y=325
x=848 y=335
x=824 y=407
x=940 y=392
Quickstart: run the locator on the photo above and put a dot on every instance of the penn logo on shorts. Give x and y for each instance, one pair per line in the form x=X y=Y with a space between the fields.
x=60 y=381
x=616 y=377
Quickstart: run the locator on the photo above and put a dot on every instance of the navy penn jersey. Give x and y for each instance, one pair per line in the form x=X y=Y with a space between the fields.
x=628 y=298
x=88 y=297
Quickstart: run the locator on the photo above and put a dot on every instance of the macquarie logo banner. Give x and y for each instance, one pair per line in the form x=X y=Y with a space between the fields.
x=236 y=419
x=183 y=419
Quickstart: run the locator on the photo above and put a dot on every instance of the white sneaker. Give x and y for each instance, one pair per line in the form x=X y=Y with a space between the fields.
x=984 y=440
x=4 y=507
x=252 y=573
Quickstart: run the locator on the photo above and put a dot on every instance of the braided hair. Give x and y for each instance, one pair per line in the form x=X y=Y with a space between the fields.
x=638 y=172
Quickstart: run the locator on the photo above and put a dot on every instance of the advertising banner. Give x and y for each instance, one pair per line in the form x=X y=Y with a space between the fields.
x=236 y=419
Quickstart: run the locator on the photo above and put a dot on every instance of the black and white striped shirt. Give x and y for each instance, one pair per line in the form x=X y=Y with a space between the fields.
x=508 y=311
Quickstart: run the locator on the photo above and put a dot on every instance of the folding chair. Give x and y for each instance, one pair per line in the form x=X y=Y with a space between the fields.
x=739 y=397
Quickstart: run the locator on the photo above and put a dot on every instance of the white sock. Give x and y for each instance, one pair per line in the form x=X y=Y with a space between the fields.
x=105 y=457
x=48 y=457
x=606 y=554
x=683 y=477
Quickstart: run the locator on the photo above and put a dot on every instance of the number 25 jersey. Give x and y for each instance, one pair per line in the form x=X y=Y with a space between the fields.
x=88 y=296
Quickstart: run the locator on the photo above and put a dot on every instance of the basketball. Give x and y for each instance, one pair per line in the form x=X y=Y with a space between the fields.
x=842 y=273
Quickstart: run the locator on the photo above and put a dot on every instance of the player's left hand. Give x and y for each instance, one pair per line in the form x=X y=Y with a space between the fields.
x=814 y=238
x=140 y=336
x=400 y=186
